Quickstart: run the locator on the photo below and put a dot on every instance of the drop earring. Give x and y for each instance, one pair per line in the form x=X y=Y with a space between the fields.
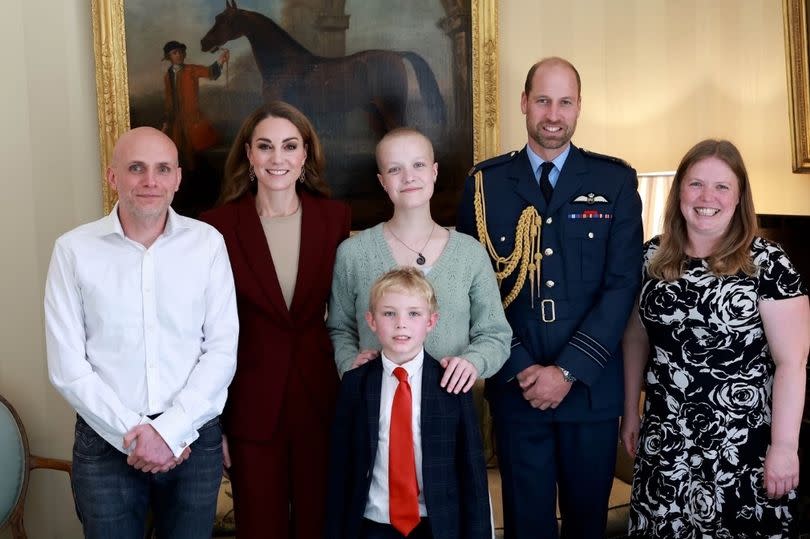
x=252 y=174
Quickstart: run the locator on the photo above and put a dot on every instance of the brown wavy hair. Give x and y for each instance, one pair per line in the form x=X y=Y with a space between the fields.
x=733 y=254
x=237 y=179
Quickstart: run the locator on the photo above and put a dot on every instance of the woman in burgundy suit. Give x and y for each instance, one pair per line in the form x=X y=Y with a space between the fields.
x=282 y=232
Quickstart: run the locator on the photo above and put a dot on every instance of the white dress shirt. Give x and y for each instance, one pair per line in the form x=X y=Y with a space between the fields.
x=377 y=504
x=132 y=332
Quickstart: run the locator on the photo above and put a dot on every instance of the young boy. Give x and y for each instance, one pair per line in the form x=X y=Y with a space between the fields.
x=406 y=459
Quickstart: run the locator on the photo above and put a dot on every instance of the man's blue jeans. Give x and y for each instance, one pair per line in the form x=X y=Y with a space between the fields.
x=112 y=497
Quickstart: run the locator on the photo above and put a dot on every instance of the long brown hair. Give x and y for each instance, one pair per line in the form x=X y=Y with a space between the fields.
x=237 y=167
x=732 y=254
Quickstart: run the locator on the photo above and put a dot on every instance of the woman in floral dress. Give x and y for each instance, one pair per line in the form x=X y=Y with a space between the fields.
x=720 y=344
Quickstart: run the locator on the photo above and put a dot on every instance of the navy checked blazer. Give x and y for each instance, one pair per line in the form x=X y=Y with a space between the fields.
x=591 y=239
x=453 y=468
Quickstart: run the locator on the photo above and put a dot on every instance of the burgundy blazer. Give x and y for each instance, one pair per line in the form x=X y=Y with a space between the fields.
x=275 y=342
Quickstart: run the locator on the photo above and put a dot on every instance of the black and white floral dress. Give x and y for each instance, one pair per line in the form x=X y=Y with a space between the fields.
x=707 y=416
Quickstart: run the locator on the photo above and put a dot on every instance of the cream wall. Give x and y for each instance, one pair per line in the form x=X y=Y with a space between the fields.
x=48 y=179
x=658 y=75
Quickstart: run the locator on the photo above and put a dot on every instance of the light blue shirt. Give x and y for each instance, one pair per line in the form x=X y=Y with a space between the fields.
x=558 y=161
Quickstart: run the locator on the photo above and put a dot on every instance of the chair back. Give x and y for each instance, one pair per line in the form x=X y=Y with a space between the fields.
x=13 y=462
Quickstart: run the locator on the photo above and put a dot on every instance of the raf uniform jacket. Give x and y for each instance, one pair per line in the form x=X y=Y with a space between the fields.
x=590 y=242
x=453 y=468
x=275 y=342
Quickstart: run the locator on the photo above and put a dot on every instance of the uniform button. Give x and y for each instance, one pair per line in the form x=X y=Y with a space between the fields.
x=549 y=251
x=548 y=220
x=503 y=238
x=550 y=283
x=590 y=235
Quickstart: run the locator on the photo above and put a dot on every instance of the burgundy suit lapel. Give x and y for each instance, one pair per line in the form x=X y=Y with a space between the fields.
x=254 y=246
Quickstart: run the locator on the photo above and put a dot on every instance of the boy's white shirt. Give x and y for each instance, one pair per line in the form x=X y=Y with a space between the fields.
x=377 y=504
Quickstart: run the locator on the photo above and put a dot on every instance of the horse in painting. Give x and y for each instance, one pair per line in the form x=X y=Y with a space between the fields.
x=372 y=80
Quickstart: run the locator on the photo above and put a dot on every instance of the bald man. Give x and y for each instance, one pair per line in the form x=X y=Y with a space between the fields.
x=141 y=332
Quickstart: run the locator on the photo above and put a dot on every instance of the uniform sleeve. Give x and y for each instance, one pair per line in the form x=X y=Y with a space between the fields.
x=490 y=333
x=342 y=318
x=778 y=277
x=597 y=339
x=202 y=398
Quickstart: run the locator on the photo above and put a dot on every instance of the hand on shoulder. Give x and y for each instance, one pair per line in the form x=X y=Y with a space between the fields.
x=459 y=374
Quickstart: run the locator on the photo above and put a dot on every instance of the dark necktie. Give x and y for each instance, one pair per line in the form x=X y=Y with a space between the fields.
x=545 y=183
x=403 y=490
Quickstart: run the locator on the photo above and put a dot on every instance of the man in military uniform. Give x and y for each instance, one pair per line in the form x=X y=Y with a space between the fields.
x=563 y=227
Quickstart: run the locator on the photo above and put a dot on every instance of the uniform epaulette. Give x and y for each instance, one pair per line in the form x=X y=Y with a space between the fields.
x=492 y=161
x=604 y=157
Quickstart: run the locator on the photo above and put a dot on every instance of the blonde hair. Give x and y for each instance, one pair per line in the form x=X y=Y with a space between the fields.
x=405 y=280
x=401 y=132
x=733 y=252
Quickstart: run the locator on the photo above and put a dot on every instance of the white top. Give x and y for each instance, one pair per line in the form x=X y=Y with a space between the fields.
x=132 y=332
x=377 y=504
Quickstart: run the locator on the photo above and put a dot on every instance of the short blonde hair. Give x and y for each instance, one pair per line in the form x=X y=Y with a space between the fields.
x=401 y=132
x=405 y=280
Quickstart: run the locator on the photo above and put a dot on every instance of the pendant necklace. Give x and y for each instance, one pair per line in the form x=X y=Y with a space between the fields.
x=420 y=258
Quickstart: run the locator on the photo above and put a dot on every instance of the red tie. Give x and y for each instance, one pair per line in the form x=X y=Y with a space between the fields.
x=403 y=491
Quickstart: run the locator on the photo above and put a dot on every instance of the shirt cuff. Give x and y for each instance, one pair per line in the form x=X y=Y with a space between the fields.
x=175 y=427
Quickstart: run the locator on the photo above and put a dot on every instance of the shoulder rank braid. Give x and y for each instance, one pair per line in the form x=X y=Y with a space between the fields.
x=527 y=244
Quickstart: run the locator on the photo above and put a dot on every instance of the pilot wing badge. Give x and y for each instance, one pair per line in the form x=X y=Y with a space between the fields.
x=590 y=198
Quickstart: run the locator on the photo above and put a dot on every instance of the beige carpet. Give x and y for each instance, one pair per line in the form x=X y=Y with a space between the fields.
x=620 y=495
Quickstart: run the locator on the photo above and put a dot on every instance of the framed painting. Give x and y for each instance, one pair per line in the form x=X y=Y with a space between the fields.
x=796 y=48
x=429 y=64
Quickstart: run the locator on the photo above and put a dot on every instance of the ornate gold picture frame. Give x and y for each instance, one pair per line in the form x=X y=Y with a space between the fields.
x=796 y=48
x=113 y=86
